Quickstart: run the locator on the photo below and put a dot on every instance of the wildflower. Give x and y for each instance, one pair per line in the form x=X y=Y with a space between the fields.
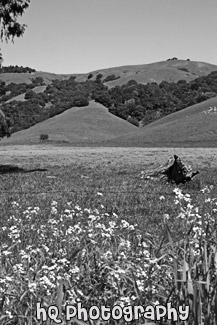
x=6 y=253
x=75 y=270
x=99 y=193
x=125 y=224
x=54 y=203
x=108 y=255
x=162 y=198
x=9 y=314
x=181 y=215
x=92 y=217
x=166 y=217
x=45 y=281
x=32 y=286
x=15 y=204
x=112 y=224
x=123 y=255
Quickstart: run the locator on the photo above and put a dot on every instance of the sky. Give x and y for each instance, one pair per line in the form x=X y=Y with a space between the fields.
x=80 y=36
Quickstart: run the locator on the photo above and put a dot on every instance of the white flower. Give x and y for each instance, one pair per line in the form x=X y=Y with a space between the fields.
x=166 y=216
x=32 y=286
x=181 y=215
x=9 y=314
x=125 y=224
x=53 y=210
x=162 y=198
x=53 y=203
x=15 y=204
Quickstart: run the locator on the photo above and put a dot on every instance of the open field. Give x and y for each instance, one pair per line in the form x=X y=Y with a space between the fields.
x=91 y=224
x=49 y=155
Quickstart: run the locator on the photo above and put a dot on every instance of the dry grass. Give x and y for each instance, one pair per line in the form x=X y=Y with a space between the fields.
x=76 y=125
x=27 y=77
x=143 y=73
x=192 y=126
x=50 y=155
x=155 y=72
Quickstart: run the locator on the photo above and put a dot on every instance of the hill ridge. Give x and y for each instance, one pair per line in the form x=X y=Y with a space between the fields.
x=88 y=124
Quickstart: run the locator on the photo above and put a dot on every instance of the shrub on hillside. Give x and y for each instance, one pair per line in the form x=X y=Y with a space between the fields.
x=30 y=94
x=90 y=76
x=2 y=88
x=183 y=69
x=80 y=101
x=38 y=81
x=102 y=98
x=44 y=137
x=132 y=120
x=99 y=78
x=111 y=78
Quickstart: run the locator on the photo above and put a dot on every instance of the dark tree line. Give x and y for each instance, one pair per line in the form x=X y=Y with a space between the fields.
x=16 y=69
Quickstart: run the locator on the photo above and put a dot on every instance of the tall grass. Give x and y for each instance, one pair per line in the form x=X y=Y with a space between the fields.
x=110 y=240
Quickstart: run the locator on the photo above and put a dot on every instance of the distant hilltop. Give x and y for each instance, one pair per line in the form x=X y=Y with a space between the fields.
x=170 y=70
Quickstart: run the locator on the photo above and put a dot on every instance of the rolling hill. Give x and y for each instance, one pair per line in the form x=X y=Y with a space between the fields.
x=27 y=77
x=93 y=124
x=192 y=126
x=78 y=125
x=170 y=71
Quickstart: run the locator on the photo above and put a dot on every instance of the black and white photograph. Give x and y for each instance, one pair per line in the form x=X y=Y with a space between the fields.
x=108 y=162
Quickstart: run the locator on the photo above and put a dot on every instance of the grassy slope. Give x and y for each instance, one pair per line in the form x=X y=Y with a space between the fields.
x=191 y=126
x=27 y=77
x=77 y=125
x=21 y=98
x=155 y=72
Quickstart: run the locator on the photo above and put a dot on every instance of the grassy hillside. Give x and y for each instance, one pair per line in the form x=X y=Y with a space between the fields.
x=21 y=97
x=27 y=77
x=29 y=104
x=83 y=125
x=170 y=71
x=195 y=125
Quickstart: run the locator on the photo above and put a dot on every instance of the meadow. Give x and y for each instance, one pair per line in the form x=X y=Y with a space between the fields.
x=90 y=229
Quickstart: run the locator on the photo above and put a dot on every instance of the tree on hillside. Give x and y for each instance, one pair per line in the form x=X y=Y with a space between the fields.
x=4 y=125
